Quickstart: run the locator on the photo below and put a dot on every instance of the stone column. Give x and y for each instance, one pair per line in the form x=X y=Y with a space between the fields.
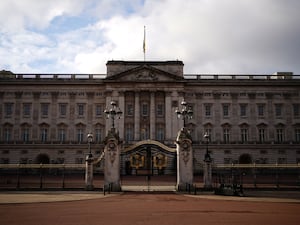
x=207 y=173
x=168 y=114
x=137 y=117
x=152 y=116
x=184 y=160
x=112 y=151
x=89 y=172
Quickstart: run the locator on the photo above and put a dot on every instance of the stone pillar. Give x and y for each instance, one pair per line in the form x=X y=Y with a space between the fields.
x=184 y=160
x=89 y=172
x=152 y=116
x=137 y=116
x=207 y=173
x=112 y=151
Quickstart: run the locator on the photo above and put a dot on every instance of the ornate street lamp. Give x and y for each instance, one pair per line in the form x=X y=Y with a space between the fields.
x=207 y=156
x=185 y=112
x=113 y=113
x=90 y=140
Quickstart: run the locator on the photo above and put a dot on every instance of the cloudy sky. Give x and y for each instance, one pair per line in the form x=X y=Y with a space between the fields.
x=209 y=36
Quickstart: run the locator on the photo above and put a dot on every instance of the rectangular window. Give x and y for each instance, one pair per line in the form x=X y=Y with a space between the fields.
x=226 y=135
x=98 y=135
x=261 y=110
x=80 y=109
x=63 y=109
x=244 y=135
x=261 y=135
x=296 y=110
x=160 y=134
x=26 y=109
x=129 y=133
x=129 y=109
x=8 y=109
x=25 y=134
x=99 y=110
x=297 y=135
x=160 y=110
x=79 y=135
x=225 y=110
x=44 y=134
x=278 y=110
x=207 y=109
x=62 y=135
x=7 y=134
x=243 y=110
x=44 y=109
x=145 y=109
x=279 y=135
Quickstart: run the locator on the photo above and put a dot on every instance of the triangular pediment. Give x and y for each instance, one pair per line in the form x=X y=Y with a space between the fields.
x=144 y=73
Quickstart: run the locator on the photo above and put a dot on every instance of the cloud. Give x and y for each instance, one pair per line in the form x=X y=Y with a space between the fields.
x=229 y=36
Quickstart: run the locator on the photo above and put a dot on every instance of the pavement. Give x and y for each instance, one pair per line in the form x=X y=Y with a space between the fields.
x=17 y=197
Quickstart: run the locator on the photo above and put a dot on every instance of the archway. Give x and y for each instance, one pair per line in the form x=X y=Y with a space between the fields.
x=42 y=158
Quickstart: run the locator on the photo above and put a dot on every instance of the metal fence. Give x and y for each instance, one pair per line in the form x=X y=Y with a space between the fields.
x=44 y=176
x=72 y=176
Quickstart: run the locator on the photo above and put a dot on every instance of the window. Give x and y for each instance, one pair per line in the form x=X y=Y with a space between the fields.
x=160 y=133
x=98 y=135
x=8 y=109
x=244 y=135
x=7 y=134
x=261 y=135
x=207 y=108
x=261 y=110
x=63 y=109
x=226 y=135
x=25 y=134
x=279 y=135
x=296 y=110
x=80 y=109
x=278 y=110
x=62 y=134
x=145 y=109
x=160 y=110
x=144 y=133
x=99 y=110
x=129 y=132
x=297 y=135
x=44 y=109
x=26 y=109
x=44 y=134
x=225 y=110
x=243 y=110
x=129 y=109
x=80 y=135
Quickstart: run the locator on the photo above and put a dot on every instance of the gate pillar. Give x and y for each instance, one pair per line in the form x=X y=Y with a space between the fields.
x=112 y=151
x=184 y=160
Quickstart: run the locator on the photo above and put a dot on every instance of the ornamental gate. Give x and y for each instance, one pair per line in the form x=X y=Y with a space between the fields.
x=148 y=164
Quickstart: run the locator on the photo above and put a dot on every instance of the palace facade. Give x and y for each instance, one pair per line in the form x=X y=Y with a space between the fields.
x=45 y=118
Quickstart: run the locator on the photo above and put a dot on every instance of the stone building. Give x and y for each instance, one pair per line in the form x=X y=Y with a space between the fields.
x=45 y=118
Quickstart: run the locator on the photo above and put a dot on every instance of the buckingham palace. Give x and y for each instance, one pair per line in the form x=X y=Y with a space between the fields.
x=249 y=118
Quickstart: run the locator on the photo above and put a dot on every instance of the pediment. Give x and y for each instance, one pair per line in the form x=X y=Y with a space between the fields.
x=145 y=73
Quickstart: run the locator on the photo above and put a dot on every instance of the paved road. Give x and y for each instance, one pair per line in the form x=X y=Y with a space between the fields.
x=143 y=208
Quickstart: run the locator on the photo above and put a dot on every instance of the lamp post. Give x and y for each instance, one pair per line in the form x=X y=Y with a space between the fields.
x=113 y=112
x=207 y=173
x=185 y=112
x=90 y=140
x=89 y=165
x=207 y=156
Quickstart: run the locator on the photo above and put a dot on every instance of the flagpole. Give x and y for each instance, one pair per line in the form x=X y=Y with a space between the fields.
x=144 y=43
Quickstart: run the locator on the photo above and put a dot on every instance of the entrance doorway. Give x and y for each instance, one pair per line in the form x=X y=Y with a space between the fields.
x=148 y=165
